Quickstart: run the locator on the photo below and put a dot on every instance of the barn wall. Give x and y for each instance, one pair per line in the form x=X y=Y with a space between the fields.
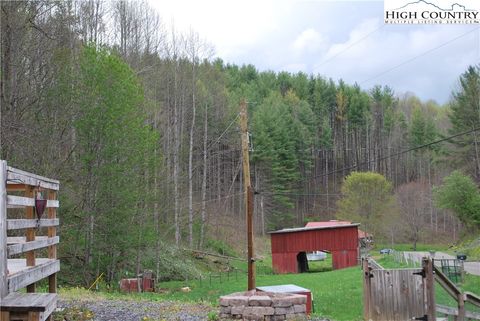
x=284 y=262
x=343 y=259
x=341 y=242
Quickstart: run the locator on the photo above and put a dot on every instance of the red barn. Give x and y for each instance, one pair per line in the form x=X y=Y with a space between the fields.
x=289 y=246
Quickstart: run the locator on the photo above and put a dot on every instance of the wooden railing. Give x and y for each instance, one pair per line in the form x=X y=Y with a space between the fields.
x=459 y=313
x=19 y=265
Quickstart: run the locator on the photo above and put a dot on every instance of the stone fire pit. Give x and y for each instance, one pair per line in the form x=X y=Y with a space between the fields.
x=267 y=306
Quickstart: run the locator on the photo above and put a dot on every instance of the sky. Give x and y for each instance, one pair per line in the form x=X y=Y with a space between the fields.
x=337 y=39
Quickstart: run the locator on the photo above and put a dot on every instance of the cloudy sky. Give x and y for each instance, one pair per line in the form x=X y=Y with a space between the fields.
x=337 y=39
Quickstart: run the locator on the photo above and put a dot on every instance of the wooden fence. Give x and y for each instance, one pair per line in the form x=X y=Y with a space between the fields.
x=393 y=294
x=23 y=237
x=409 y=294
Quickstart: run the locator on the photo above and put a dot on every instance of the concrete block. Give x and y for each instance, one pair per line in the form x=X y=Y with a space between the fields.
x=280 y=302
x=287 y=310
x=260 y=300
x=237 y=300
x=238 y=309
x=225 y=310
x=300 y=308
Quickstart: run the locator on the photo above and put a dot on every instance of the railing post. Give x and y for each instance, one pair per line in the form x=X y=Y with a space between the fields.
x=3 y=230
x=366 y=290
x=52 y=250
x=30 y=234
x=427 y=265
x=461 y=307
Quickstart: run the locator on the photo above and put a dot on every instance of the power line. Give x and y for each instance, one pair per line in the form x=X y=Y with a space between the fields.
x=224 y=132
x=418 y=56
x=348 y=47
x=298 y=194
x=399 y=153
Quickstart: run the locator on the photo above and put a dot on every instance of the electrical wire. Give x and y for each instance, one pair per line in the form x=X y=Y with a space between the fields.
x=348 y=47
x=224 y=132
x=399 y=153
x=418 y=56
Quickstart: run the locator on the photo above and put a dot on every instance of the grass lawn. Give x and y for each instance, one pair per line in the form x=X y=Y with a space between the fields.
x=337 y=295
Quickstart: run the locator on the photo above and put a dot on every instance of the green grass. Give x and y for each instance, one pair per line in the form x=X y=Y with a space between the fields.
x=329 y=290
x=337 y=295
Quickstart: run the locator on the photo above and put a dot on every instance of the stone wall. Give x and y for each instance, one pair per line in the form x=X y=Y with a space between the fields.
x=265 y=306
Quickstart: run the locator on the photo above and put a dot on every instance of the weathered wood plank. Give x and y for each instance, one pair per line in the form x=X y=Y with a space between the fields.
x=30 y=275
x=14 y=201
x=4 y=316
x=443 y=309
x=3 y=230
x=49 y=310
x=33 y=316
x=32 y=245
x=472 y=298
x=18 y=176
x=19 y=224
x=429 y=279
x=375 y=265
x=12 y=187
x=396 y=295
x=24 y=302
x=23 y=239
x=18 y=265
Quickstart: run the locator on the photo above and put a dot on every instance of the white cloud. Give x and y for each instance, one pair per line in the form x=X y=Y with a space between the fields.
x=338 y=39
x=309 y=41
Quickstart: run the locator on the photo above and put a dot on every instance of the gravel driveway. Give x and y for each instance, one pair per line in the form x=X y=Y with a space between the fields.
x=123 y=310
x=119 y=310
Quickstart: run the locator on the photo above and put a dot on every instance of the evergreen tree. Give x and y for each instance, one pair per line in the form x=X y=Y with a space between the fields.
x=464 y=116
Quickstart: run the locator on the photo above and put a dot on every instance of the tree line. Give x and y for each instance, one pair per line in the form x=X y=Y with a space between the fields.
x=139 y=122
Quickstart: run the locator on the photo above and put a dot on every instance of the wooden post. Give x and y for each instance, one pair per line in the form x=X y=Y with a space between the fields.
x=30 y=233
x=52 y=250
x=461 y=307
x=4 y=316
x=33 y=316
x=427 y=265
x=248 y=194
x=366 y=289
x=3 y=230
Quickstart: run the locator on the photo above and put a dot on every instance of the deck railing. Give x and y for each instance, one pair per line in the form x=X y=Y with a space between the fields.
x=23 y=235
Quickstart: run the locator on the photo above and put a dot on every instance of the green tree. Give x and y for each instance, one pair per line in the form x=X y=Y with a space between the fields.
x=465 y=115
x=115 y=148
x=460 y=194
x=283 y=129
x=367 y=199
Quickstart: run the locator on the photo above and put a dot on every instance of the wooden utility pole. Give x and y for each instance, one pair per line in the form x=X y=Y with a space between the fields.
x=248 y=194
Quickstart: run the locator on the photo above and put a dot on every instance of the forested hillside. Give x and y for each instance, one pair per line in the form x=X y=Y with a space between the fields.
x=139 y=122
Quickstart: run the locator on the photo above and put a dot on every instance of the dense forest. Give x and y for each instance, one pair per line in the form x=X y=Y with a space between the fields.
x=139 y=122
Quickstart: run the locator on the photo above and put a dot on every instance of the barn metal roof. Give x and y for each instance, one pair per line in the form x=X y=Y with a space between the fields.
x=307 y=228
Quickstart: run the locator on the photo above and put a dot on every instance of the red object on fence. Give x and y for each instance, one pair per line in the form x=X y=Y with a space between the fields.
x=146 y=281
x=289 y=246
x=129 y=285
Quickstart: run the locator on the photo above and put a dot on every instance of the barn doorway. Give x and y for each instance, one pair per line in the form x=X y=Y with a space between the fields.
x=302 y=262
x=319 y=261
